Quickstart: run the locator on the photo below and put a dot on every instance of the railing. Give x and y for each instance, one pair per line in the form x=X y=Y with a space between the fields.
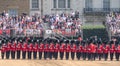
x=23 y=33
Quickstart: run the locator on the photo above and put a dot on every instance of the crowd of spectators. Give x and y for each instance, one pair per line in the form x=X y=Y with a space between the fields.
x=57 y=22
x=113 y=23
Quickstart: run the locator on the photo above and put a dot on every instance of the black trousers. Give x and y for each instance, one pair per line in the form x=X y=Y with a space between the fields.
x=72 y=55
x=100 y=56
x=46 y=54
x=84 y=55
x=78 y=55
x=61 y=55
x=13 y=54
x=35 y=55
x=29 y=54
x=67 y=55
x=111 y=56
x=2 y=54
x=93 y=56
x=56 y=55
x=89 y=56
x=51 y=54
x=18 y=54
x=7 y=54
x=40 y=55
x=117 y=56
x=24 y=55
x=106 y=56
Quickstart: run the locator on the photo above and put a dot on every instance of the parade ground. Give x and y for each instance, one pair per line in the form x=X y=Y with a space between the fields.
x=37 y=62
x=57 y=63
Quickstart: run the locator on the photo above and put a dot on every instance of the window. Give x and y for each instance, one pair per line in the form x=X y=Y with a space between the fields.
x=13 y=12
x=88 y=5
x=61 y=3
x=35 y=4
x=106 y=5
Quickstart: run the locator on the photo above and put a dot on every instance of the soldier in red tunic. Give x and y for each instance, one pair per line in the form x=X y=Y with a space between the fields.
x=112 y=51
x=35 y=49
x=30 y=50
x=8 y=50
x=13 y=50
x=73 y=51
x=19 y=49
x=67 y=50
x=24 y=50
x=100 y=51
x=79 y=51
x=62 y=49
x=41 y=50
x=57 y=47
x=117 y=52
x=3 y=50
x=51 y=50
x=106 y=51
x=46 y=51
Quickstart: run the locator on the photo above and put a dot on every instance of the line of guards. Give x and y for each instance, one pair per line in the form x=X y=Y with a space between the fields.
x=37 y=49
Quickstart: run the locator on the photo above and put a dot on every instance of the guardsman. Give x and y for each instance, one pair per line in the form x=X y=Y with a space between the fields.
x=30 y=50
x=117 y=52
x=112 y=51
x=8 y=50
x=57 y=47
x=106 y=51
x=93 y=51
x=100 y=51
x=41 y=50
x=84 y=52
x=79 y=51
x=51 y=50
x=89 y=53
x=62 y=49
x=19 y=49
x=46 y=51
x=73 y=51
x=35 y=49
x=3 y=51
x=68 y=50
x=24 y=50
x=13 y=50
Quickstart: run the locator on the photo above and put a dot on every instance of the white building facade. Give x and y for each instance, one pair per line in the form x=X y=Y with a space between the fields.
x=67 y=6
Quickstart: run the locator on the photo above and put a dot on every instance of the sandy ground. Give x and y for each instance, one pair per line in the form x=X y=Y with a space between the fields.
x=58 y=62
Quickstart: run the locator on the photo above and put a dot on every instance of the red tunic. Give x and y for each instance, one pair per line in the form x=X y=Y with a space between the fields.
x=30 y=48
x=3 y=48
x=25 y=47
x=68 y=49
x=73 y=49
x=35 y=48
x=51 y=48
x=118 y=49
x=41 y=48
x=57 y=47
x=9 y=47
x=19 y=46
x=80 y=49
x=62 y=48
x=46 y=49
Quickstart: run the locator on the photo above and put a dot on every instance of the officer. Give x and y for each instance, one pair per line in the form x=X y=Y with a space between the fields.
x=3 y=50
x=24 y=50
x=13 y=51
x=8 y=50
x=62 y=48
x=19 y=49
x=41 y=50
x=68 y=50
x=30 y=50
x=57 y=47
x=35 y=49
